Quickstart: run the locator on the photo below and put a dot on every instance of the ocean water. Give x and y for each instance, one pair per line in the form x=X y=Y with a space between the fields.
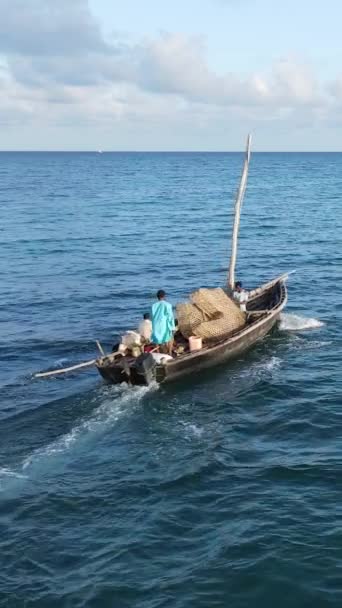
x=220 y=491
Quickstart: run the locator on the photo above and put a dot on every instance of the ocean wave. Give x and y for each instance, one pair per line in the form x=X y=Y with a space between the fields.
x=291 y=322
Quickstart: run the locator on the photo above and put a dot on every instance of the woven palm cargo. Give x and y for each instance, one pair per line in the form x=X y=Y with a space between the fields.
x=188 y=317
x=210 y=315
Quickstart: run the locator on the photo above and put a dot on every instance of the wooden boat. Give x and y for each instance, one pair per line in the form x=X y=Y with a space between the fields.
x=263 y=309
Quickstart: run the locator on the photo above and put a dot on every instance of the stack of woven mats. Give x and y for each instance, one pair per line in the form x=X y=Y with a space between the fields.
x=209 y=315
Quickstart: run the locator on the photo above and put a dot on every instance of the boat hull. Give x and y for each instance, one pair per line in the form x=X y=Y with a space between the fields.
x=266 y=305
x=222 y=353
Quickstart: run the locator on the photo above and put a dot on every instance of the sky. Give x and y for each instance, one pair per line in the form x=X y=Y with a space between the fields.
x=170 y=75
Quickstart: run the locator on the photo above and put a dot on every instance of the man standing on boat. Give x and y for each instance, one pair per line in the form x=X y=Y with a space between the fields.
x=240 y=295
x=163 y=323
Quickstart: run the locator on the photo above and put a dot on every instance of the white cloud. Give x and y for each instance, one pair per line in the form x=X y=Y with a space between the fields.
x=49 y=27
x=294 y=82
x=335 y=89
x=59 y=69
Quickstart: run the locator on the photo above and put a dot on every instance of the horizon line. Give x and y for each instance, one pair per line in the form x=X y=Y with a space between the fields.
x=169 y=151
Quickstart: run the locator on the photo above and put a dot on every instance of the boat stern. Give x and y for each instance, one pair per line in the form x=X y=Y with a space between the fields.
x=140 y=371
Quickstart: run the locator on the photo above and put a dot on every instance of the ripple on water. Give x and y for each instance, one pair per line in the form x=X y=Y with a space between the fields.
x=221 y=491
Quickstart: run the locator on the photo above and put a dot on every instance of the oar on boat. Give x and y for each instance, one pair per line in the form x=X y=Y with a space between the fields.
x=72 y=368
x=64 y=370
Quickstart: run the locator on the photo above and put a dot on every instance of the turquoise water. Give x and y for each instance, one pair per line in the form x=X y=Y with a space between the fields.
x=223 y=490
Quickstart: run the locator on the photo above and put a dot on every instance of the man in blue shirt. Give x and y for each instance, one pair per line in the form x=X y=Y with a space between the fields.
x=163 y=323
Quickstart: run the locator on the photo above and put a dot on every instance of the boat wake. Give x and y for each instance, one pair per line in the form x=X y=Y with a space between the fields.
x=260 y=369
x=61 y=362
x=291 y=322
x=191 y=430
x=8 y=473
x=107 y=414
x=117 y=404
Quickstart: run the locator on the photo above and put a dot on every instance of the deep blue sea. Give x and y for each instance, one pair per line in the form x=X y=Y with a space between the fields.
x=222 y=491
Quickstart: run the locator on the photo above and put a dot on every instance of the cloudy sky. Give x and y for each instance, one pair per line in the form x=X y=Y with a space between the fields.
x=170 y=75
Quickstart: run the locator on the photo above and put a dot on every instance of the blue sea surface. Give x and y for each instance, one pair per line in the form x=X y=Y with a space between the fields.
x=220 y=491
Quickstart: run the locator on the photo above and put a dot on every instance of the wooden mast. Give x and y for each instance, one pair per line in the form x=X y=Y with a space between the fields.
x=238 y=205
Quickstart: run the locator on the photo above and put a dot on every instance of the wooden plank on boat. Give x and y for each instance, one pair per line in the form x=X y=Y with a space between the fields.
x=255 y=292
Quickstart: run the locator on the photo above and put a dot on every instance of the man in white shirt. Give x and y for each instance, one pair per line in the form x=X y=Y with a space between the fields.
x=240 y=296
x=145 y=328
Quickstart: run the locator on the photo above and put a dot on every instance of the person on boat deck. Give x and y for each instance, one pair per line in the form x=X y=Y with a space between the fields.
x=240 y=295
x=163 y=323
x=145 y=328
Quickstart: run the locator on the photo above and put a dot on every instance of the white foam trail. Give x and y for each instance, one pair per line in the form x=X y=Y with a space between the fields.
x=61 y=362
x=290 y=322
x=301 y=343
x=257 y=370
x=4 y=472
x=8 y=476
x=108 y=413
x=270 y=365
x=192 y=430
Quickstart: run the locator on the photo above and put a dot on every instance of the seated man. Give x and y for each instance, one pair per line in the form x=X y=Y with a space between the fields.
x=145 y=328
x=240 y=295
x=163 y=323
